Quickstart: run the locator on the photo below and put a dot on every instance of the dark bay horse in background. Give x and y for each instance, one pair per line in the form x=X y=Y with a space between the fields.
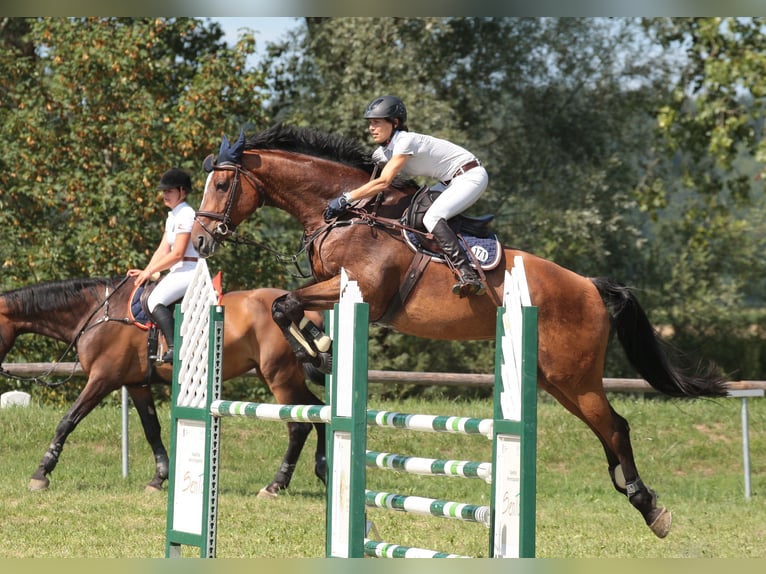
x=93 y=315
x=300 y=170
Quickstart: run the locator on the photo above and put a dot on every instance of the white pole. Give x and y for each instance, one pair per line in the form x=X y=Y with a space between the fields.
x=743 y=394
x=124 y=431
x=746 y=448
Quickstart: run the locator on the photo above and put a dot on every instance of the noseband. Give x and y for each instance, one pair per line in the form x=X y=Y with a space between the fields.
x=224 y=227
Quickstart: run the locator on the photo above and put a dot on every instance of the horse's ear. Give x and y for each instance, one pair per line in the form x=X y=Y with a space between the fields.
x=239 y=146
x=208 y=163
x=225 y=145
x=232 y=153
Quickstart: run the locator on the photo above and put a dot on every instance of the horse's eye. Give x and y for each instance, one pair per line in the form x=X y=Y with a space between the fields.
x=221 y=185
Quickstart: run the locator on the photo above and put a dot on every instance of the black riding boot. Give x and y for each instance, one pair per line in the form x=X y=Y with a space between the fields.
x=470 y=283
x=163 y=316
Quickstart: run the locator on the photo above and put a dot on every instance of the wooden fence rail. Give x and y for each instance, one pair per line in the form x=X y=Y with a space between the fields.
x=402 y=377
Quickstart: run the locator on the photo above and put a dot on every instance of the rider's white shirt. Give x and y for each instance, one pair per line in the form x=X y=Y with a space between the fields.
x=430 y=156
x=180 y=220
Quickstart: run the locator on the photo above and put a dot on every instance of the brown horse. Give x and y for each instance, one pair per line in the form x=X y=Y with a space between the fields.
x=92 y=314
x=300 y=170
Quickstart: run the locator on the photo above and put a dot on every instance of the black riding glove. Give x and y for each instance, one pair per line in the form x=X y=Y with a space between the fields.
x=336 y=207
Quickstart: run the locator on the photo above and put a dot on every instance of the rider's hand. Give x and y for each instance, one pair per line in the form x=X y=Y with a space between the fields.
x=337 y=206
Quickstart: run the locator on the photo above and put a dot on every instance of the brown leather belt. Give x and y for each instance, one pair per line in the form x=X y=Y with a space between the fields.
x=462 y=169
x=191 y=258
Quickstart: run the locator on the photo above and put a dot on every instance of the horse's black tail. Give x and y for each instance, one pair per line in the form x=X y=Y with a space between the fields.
x=647 y=353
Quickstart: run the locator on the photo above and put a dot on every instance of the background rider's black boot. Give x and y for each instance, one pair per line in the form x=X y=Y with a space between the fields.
x=163 y=316
x=470 y=283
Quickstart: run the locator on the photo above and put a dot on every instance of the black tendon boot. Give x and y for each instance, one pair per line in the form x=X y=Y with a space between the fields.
x=166 y=322
x=469 y=283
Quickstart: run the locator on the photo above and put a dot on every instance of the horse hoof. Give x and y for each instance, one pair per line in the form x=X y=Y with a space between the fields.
x=151 y=489
x=267 y=494
x=661 y=525
x=37 y=484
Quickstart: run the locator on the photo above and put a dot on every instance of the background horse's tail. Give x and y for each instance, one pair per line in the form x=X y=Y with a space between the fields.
x=647 y=353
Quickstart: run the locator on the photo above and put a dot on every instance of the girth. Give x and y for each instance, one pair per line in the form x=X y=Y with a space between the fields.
x=417 y=266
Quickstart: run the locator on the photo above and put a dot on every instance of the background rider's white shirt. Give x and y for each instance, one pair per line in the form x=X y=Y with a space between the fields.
x=430 y=156
x=180 y=220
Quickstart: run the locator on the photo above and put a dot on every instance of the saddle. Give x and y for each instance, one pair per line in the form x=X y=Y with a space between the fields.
x=483 y=246
x=472 y=232
x=138 y=315
x=138 y=310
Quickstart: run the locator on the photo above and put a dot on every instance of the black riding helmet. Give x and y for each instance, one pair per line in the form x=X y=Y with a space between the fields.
x=388 y=108
x=174 y=178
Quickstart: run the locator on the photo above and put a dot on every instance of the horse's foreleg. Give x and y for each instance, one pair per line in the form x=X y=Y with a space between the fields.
x=40 y=480
x=309 y=343
x=144 y=403
x=310 y=331
x=90 y=396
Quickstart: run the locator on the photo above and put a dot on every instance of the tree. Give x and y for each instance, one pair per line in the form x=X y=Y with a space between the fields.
x=92 y=112
x=705 y=192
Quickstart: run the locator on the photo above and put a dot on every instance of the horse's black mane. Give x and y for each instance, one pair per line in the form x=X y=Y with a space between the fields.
x=307 y=141
x=53 y=295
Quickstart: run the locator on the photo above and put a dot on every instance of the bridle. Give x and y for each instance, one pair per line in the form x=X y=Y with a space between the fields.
x=225 y=228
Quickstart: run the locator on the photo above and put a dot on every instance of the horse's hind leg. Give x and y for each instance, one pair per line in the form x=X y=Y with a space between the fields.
x=286 y=379
x=627 y=481
x=144 y=403
x=297 y=433
x=613 y=432
x=320 y=456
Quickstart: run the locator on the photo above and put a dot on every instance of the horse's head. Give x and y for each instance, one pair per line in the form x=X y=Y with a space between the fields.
x=298 y=170
x=232 y=193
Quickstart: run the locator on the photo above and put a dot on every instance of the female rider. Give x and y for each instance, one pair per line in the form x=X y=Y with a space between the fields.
x=462 y=176
x=174 y=253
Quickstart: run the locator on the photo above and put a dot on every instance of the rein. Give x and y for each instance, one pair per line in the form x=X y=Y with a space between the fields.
x=86 y=326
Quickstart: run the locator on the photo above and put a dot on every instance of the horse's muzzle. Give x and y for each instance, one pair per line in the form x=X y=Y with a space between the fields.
x=205 y=246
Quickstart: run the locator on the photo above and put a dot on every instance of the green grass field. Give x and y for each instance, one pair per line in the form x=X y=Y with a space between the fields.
x=689 y=452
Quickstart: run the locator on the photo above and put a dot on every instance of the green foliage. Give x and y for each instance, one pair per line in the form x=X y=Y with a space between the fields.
x=93 y=111
x=703 y=194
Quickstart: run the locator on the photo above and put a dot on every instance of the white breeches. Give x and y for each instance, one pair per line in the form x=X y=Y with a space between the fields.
x=173 y=286
x=459 y=195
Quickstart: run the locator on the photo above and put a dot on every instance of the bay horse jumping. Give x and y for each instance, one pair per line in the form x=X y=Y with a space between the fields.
x=300 y=170
x=92 y=314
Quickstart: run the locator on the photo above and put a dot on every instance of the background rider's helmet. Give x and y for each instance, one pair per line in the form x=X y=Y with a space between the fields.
x=388 y=108
x=174 y=178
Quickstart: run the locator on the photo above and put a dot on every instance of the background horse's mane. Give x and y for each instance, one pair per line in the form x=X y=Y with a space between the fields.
x=308 y=141
x=53 y=295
